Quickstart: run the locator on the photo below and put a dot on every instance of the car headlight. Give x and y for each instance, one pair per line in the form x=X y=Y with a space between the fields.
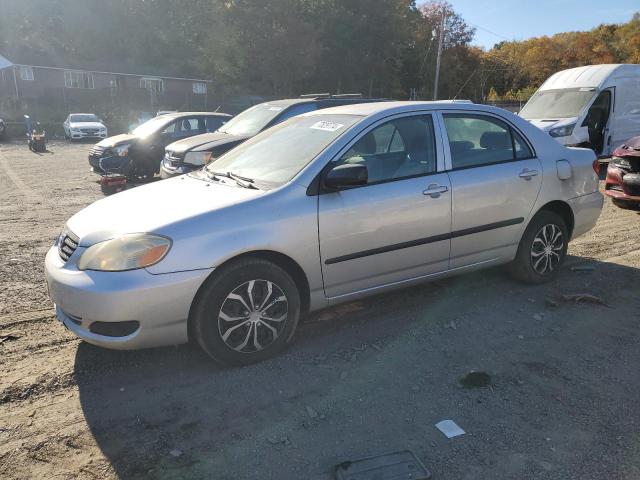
x=128 y=252
x=564 y=131
x=122 y=150
x=197 y=158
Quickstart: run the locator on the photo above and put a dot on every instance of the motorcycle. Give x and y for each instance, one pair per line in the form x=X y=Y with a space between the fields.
x=36 y=137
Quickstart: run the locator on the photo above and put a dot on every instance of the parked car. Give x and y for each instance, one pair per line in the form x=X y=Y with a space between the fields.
x=596 y=106
x=623 y=175
x=327 y=207
x=138 y=155
x=3 y=129
x=191 y=154
x=83 y=125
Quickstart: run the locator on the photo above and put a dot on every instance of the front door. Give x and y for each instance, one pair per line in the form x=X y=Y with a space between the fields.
x=495 y=179
x=397 y=226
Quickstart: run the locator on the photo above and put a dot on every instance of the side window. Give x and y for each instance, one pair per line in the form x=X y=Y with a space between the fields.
x=213 y=123
x=477 y=140
x=170 y=129
x=398 y=149
x=296 y=110
x=522 y=149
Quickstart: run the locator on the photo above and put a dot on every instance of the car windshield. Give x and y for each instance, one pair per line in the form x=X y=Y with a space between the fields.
x=83 y=118
x=277 y=155
x=151 y=126
x=555 y=104
x=252 y=120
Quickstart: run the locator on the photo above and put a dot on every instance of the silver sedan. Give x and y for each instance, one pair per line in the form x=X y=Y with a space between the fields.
x=325 y=208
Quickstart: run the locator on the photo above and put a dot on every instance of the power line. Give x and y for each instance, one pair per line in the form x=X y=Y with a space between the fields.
x=487 y=30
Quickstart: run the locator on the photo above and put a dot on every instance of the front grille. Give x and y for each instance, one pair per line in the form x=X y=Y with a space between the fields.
x=173 y=158
x=67 y=244
x=99 y=152
x=89 y=130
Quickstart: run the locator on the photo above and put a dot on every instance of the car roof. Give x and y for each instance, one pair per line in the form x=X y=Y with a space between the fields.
x=367 y=109
x=75 y=113
x=189 y=114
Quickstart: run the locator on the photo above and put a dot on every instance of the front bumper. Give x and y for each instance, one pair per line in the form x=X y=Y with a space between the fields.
x=78 y=136
x=615 y=187
x=159 y=303
x=167 y=170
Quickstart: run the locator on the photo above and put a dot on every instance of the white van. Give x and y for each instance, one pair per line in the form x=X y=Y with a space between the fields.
x=596 y=106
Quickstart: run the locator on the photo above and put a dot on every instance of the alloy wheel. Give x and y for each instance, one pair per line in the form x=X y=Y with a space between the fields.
x=253 y=316
x=547 y=249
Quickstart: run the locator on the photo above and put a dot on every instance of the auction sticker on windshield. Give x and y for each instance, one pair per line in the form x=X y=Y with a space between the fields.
x=327 y=126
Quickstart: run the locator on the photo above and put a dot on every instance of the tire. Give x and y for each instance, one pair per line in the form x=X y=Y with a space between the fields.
x=137 y=173
x=254 y=334
x=531 y=264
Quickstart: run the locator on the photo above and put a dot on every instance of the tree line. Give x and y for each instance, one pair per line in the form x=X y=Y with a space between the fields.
x=280 y=48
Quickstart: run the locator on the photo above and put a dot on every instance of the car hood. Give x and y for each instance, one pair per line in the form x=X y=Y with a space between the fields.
x=110 y=142
x=204 y=141
x=546 y=124
x=86 y=125
x=156 y=207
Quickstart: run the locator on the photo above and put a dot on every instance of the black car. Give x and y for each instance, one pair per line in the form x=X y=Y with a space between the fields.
x=138 y=155
x=191 y=154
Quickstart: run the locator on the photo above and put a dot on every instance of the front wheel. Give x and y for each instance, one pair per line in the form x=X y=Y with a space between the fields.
x=542 y=249
x=246 y=312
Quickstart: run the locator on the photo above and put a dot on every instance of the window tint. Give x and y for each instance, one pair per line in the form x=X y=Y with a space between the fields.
x=397 y=149
x=477 y=140
x=213 y=123
x=297 y=110
x=522 y=149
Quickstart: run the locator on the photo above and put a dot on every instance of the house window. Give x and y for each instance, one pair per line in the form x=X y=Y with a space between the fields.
x=154 y=85
x=199 y=88
x=26 y=73
x=116 y=83
x=74 y=79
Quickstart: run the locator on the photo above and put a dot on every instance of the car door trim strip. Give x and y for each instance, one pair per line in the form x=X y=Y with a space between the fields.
x=425 y=241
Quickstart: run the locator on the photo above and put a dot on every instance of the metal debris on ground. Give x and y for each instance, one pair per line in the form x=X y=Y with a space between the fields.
x=449 y=428
x=582 y=268
x=476 y=380
x=403 y=465
x=584 y=298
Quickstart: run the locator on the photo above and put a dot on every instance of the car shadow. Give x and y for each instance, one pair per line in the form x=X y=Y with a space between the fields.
x=173 y=413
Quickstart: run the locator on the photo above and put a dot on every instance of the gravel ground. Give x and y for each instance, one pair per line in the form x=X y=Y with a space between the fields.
x=362 y=379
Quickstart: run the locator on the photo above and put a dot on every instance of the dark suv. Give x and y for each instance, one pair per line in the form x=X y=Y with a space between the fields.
x=137 y=155
x=191 y=154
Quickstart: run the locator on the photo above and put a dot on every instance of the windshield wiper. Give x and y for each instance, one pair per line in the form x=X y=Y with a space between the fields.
x=244 y=182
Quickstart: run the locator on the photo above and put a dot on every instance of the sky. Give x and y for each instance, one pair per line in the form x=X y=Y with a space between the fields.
x=500 y=20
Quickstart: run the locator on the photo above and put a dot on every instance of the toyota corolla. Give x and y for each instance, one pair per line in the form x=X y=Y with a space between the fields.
x=324 y=208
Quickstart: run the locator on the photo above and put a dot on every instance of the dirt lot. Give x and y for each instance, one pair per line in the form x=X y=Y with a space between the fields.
x=360 y=380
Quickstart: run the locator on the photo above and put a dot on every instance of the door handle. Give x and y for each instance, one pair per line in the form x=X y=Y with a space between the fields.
x=527 y=174
x=434 y=190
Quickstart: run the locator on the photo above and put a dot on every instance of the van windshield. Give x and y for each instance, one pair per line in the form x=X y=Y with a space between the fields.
x=276 y=155
x=556 y=104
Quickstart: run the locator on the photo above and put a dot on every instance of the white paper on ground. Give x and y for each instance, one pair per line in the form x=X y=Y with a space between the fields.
x=449 y=428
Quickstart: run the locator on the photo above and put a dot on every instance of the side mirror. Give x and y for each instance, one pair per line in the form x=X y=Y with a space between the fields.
x=346 y=175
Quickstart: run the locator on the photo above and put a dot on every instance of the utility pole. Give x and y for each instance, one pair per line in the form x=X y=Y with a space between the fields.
x=440 y=42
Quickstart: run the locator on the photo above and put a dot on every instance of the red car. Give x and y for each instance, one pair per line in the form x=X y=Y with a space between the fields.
x=623 y=175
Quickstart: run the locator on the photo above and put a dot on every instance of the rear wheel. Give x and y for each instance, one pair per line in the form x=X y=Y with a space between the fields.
x=542 y=249
x=247 y=312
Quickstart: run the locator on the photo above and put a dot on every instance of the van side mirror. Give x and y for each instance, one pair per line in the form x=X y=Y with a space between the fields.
x=346 y=175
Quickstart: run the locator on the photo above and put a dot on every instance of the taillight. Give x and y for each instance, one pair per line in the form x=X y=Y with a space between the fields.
x=596 y=166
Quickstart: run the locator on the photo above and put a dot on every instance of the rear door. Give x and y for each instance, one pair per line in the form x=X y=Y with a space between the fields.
x=495 y=179
x=396 y=227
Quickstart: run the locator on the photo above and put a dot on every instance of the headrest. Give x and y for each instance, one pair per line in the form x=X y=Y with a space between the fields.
x=495 y=140
x=366 y=145
x=460 y=146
